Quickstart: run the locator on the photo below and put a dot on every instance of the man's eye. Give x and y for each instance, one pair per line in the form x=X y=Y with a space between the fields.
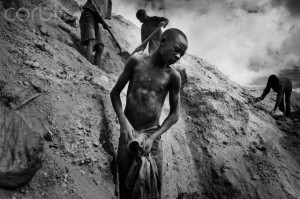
x=177 y=49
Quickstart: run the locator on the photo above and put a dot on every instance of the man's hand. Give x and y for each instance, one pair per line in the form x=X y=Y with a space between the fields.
x=148 y=145
x=163 y=24
x=126 y=131
x=105 y=26
x=138 y=49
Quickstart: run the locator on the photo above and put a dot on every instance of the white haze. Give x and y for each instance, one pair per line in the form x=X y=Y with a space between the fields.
x=245 y=39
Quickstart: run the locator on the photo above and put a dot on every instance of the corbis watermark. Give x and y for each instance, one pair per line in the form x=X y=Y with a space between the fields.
x=23 y=14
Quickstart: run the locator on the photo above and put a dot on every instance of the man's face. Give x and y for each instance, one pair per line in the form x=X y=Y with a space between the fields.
x=173 y=49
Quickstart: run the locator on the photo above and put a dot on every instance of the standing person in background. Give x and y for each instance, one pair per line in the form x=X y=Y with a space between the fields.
x=283 y=87
x=90 y=30
x=148 y=26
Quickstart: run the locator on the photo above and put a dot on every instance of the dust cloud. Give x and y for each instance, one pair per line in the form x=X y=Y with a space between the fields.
x=246 y=39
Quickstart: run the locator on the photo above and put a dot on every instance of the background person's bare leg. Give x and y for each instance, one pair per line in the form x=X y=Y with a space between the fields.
x=281 y=105
x=288 y=102
x=89 y=50
x=98 y=55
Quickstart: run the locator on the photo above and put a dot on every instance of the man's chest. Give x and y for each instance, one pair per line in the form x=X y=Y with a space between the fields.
x=150 y=26
x=152 y=80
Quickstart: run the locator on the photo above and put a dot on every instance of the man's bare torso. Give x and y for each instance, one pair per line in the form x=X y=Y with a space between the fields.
x=146 y=93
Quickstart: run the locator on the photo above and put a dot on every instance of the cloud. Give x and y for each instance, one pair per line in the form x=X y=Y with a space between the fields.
x=246 y=39
x=292 y=5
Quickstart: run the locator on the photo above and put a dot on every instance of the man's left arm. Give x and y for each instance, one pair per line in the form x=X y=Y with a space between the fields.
x=174 y=98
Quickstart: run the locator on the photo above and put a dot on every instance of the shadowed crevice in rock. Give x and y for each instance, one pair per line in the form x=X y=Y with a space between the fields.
x=106 y=134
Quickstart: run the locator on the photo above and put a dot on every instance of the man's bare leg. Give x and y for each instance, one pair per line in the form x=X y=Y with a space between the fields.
x=288 y=102
x=281 y=105
x=98 y=55
x=89 y=50
x=125 y=159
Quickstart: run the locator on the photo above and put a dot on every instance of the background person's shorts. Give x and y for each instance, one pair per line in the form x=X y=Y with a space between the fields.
x=89 y=27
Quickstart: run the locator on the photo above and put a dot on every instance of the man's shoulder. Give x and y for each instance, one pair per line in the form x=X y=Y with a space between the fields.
x=136 y=59
x=157 y=19
x=153 y=19
x=174 y=75
x=284 y=80
x=174 y=80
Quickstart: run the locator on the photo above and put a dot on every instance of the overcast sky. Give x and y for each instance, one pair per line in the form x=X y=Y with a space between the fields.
x=245 y=39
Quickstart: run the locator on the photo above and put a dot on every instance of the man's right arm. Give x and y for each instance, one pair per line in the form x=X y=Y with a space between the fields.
x=266 y=91
x=125 y=126
x=161 y=20
x=143 y=36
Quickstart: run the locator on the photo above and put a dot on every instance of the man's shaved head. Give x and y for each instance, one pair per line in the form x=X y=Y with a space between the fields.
x=141 y=13
x=273 y=80
x=173 y=45
x=173 y=33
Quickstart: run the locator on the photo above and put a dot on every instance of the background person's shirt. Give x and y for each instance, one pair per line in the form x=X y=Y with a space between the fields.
x=104 y=7
x=149 y=25
x=284 y=85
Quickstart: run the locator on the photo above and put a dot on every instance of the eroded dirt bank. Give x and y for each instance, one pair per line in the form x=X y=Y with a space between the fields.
x=223 y=146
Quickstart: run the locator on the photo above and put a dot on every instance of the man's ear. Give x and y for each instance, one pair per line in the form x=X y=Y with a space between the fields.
x=163 y=41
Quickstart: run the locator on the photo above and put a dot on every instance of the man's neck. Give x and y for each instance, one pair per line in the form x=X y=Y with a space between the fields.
x=157 y=60
x=145 y=19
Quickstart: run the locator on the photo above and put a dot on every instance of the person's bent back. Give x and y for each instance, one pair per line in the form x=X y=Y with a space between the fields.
x=283 y=87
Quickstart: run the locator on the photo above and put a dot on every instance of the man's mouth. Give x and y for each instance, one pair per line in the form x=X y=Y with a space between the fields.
x=173 y=61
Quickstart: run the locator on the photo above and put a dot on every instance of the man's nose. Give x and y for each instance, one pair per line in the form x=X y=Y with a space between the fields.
x=177 y=56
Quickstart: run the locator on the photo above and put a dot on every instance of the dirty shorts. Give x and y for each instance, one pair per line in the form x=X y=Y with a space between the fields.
x=126 y=158
x=89 y=27
x=156 y=149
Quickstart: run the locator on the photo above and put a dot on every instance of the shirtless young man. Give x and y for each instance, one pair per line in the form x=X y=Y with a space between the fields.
x=150 y=80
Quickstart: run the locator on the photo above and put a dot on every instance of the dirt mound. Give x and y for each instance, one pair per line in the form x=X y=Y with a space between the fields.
x=223 y=146
x=236 y=146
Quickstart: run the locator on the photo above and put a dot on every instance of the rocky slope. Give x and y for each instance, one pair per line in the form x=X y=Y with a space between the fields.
x=223 y=146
